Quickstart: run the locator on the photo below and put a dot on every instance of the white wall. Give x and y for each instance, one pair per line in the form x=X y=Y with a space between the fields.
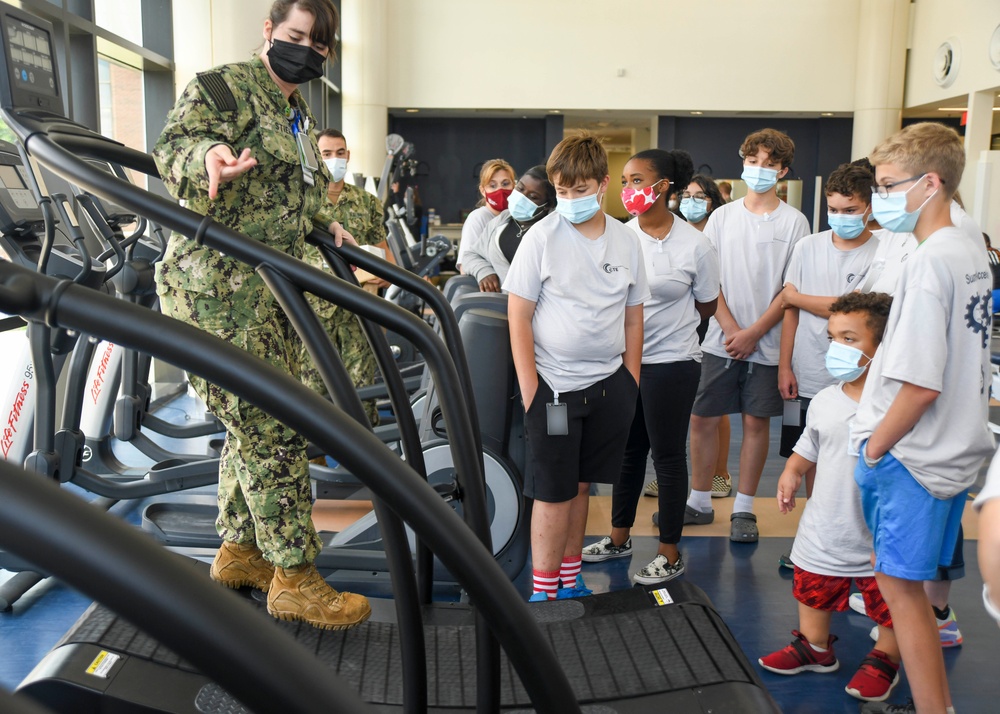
x=212 y=32
x=970 y=21
x=766 y=55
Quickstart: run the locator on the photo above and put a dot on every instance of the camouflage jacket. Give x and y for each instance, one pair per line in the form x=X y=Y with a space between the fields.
x=360 y=214
x=241 y=106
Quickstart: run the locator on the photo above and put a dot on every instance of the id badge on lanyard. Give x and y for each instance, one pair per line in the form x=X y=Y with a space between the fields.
x=307 y=157
x=556 y=417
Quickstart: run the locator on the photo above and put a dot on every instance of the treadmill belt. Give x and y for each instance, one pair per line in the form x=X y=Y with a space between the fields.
x=614 y=646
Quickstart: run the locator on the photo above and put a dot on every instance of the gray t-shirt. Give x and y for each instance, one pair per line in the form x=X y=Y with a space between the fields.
x=895 y=248
x=832 y=538
x=818 y=267
x=681 y=269
x=483 y=257
x=754 y=251
x=937 y=337
x=991 y=489
x=472 y=231
x=580 y=288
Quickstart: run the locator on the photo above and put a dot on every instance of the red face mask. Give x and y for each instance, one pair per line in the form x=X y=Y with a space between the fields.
x=638 y=201
x=497 y=200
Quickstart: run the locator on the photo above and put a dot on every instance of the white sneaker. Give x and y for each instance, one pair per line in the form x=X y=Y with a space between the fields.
x=605 y=549
x=659 y=571
x=857 y=603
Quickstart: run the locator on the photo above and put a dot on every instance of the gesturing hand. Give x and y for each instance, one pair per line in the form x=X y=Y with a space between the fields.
x=222 y=165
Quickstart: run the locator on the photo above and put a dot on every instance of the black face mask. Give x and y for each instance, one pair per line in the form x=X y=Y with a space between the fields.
x=295 y=64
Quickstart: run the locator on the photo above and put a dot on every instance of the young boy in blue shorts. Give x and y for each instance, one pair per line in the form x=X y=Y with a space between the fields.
x=576 y=287
x=921 y=428
x=832 y=545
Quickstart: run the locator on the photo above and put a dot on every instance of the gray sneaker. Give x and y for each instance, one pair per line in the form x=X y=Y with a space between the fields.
x=743 y=527
x=694 y=517
x=660 y=570
x=605 y=549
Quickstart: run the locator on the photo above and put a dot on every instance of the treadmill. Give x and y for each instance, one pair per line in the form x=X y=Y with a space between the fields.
x=695 y=664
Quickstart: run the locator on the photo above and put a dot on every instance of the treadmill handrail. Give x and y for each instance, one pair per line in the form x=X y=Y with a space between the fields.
x=70 y=165
x=39 y=297
x=125 y=569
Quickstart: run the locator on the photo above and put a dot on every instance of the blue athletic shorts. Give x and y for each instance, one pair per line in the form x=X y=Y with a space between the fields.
x=915 y=534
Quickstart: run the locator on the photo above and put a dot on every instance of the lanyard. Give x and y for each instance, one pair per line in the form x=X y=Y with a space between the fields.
x=307 y=157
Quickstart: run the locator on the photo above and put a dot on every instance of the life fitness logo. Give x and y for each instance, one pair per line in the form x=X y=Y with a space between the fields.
x=102 y=370
x=14 y=415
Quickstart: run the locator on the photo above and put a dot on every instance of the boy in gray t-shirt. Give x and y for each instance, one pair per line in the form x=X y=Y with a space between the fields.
x=921 y=428
x=576 y=286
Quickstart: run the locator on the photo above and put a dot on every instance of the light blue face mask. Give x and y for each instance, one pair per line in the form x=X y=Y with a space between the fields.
x=694 y=209
x=891 y=211
x=578 y=210
x=521 y=207
x=842 y=362
x=759 y=179
x=338 y=167
x=846 y=226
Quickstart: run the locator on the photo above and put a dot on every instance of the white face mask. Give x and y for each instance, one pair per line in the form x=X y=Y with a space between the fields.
x=338 y=167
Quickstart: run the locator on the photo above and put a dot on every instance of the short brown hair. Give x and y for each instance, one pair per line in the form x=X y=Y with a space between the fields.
x=923 y=148
x=576 y=158
x=491 y=167
x=851 y=180
x=779 y=145
x=876 y=305
x=326 y=20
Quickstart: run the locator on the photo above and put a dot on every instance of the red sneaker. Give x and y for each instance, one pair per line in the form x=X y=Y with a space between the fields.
x=875 y=678
x=801 y=657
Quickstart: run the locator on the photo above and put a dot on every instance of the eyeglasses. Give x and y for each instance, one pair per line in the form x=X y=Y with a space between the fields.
x=697 y=196
x=884 y=189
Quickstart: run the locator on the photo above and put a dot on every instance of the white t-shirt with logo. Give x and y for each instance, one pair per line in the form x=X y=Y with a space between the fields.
x=681 y=269
x=832 y=538
x=937 y=337
x=818 y=267
x=580 y=288
x=895 y=248
x=754 y=251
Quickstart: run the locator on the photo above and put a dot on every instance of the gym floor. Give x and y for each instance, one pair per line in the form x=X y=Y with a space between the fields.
x=749 y=590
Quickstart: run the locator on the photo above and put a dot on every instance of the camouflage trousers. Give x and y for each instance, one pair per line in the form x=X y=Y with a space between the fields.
x=264 y=489
x=352 y=345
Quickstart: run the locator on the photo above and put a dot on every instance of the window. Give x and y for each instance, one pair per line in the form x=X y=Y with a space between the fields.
x=122 y=106
x=122 y=17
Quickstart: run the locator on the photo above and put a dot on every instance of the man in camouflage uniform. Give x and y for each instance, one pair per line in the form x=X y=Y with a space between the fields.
x=229 y=150
x=360 y=213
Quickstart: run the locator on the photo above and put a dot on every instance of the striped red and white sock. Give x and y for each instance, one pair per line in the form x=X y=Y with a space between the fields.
x=545 y=582
x=569 y=569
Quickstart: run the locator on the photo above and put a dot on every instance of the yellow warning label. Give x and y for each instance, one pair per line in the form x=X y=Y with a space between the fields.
x=102 y=664
x=661 y=596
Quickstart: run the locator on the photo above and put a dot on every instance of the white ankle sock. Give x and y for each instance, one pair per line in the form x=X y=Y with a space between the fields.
x=817 y=648
x=743 y=504
x=700 y=500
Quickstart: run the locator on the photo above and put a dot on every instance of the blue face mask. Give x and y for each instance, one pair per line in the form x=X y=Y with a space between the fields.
x=521 y=207
x=694 y=209
x=578 y=210
x=842 y=362
x=846 y=226
x=338 y=168
x=891 y=212
x=758 y=179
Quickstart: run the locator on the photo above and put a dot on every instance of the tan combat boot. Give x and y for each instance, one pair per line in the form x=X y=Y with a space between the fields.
x=300 y=593
x=239 y=565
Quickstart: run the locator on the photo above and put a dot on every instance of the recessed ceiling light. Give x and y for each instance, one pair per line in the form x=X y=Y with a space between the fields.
x=697 y=114
x=826 y=114
x=554 y=111
x=412 y=111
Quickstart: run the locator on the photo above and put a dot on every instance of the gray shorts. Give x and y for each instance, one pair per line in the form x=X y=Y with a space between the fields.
x=737 y=387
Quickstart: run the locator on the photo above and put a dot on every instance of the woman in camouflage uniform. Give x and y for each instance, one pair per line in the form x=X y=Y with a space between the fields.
x=237 y=146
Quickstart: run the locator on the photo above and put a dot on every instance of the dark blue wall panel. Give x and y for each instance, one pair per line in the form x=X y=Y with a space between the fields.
x=451 y=152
